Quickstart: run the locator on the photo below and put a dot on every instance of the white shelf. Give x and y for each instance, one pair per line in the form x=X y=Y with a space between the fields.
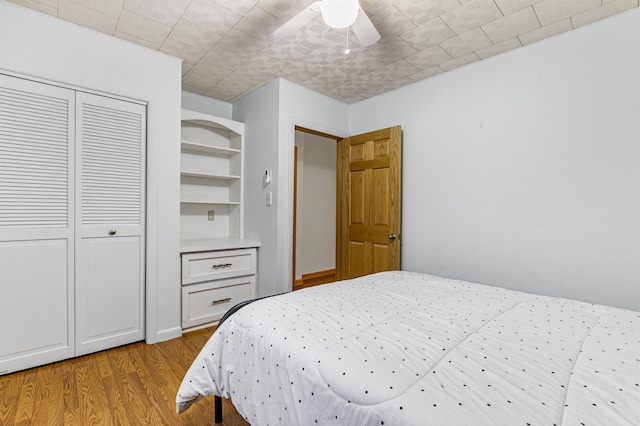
x=207 y=244
x=211 y=121
x=209 y=202
x=209 y=175
x=208 y=149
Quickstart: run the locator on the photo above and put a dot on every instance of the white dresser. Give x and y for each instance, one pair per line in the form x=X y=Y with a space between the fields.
x=217 y=274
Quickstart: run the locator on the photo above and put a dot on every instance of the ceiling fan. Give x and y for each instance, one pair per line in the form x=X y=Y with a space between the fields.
x=336 y=14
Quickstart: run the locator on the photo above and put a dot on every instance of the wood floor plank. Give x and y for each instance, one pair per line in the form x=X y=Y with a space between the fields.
x=139 y=364
x=26 y=402
x=119 y=358
x=126 y=392
x=72 y=417
x=9 y=393
x=8 y=409
x=29 y=375
x=104 y=367
x=88 y=396
x=116 y=408
x=160 y=403
x=41 y=412
x=119 y=417
x=138 y=414
x=69 y=395
x=13 y=387
x=55 y=378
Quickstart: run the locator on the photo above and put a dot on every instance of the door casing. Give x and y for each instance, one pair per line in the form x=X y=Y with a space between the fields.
x=295 y=189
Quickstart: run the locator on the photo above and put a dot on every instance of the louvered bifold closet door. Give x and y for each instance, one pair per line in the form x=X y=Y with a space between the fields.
x=110 y=193
x=36 y=223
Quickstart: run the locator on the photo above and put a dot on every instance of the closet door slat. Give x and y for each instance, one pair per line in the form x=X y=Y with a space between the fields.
x=111 y=153
x=34 y=160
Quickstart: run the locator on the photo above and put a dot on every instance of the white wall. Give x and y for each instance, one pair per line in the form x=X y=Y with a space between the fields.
x=270 y=115
x=206 y=105
x=259 y=112
x=316 y=204
x=37 y=45
x=523 y=170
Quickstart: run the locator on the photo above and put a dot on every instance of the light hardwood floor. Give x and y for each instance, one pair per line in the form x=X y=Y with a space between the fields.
x=131 y=385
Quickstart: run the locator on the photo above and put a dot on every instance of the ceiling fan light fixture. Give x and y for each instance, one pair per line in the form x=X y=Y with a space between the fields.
x=339 y=13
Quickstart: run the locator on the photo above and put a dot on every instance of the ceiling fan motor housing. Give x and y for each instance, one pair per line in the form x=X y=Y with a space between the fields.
x=339 y=13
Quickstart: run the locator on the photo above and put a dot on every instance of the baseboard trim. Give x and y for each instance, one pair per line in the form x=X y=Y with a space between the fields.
x=168 y=334
x=315 y=278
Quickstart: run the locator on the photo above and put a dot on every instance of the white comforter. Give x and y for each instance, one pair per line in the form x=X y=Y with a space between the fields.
x=401 y=348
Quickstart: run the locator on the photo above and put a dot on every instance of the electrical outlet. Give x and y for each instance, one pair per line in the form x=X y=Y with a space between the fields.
x=210 y=215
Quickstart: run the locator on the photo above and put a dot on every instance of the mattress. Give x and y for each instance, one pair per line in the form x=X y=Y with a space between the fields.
x=403 y=348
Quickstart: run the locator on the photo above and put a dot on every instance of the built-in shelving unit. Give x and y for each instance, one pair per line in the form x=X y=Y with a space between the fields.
x=218 y=265
x=211 y=169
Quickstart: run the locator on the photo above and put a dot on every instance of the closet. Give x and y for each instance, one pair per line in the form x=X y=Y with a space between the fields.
x=72 y=192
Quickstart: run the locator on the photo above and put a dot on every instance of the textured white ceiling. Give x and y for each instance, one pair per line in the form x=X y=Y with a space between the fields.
x=229 y=49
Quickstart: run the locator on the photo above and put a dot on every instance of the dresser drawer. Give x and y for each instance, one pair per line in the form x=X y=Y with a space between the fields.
x=207 y=302
x=214 y=265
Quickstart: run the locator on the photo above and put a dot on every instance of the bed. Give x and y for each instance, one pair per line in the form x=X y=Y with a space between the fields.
x=403 y=348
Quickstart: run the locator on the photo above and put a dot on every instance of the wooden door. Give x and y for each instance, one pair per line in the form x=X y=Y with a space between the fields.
x=368 y=191
x=36 y=223
x=110 y=194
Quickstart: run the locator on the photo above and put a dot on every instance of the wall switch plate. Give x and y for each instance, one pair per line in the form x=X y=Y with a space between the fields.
x=210 y=215
x=269 y=198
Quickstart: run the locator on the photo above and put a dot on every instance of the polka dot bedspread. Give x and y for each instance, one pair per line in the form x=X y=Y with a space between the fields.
x=403 y=348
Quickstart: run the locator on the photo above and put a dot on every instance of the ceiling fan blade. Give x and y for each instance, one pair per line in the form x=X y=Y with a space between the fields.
x=363 y=29
x=294 y=24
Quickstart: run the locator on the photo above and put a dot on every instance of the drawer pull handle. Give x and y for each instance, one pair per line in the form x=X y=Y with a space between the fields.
x=222 y=265
x=217 y=302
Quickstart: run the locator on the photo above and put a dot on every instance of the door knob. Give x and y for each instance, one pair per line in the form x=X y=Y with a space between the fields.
x=112 y=232
x=392 y=236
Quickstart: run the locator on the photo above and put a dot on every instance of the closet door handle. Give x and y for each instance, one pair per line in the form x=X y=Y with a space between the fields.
x=112 y=232
x=392 y=236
